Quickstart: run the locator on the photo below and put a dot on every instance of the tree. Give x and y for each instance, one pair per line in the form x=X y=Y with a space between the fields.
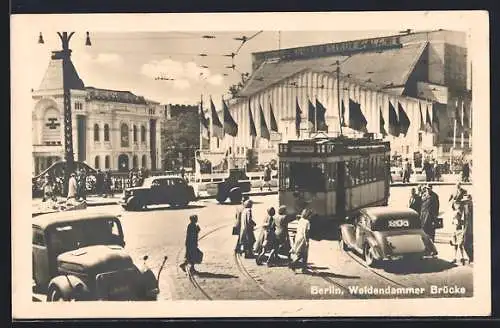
x=235 y=88
x=181 y=135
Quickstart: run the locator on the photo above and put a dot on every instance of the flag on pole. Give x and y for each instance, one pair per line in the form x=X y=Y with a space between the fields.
x=435 y=118
x=311 y=114
x=357 y=120
x=393 y=121
x=320 y=116
x=382 y=123
x=253 y=130
x=298 y=117
x=458 y=117
x=205 y=125
x=404 y=120
x=217 y=127
x=264 y=131
x=342 y=115
x=428 y=121
x=274 y=125
x=230 y=126
x=422 y=122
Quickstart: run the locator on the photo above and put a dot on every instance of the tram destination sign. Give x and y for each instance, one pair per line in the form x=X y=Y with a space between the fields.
x=330 y=49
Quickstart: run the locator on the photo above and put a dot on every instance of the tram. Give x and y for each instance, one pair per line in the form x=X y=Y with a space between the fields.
x=334 y=177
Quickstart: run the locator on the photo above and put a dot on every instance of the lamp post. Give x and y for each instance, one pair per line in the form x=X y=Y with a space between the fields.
x=65 y=55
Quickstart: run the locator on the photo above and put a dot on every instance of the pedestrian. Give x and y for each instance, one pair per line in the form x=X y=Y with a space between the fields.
x=426 y=213
x=72 y=187
x=108 y=182
x=300 y=249
x=237 y=224
x=457 y=240
x=282 y=238
x=406 y=171
x=468 y=224
x=420 y=191
x=457 y=195
x=465 y=172
x=82 y=185
x=415 y=202
x=193 y=255
x=265 y=240
x=427 y=169
x=247 y=237
x=48 y=189
x=267 y=178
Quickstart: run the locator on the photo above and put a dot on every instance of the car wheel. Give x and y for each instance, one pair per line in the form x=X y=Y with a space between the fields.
x=183 y=203
x=369 y=260
x=221 y=199
x=55 y=295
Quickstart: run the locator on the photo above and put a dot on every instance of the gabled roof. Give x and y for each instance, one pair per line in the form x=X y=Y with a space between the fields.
x=387 y=68
x=53 y=78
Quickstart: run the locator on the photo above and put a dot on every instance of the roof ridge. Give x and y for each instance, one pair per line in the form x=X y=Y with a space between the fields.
x=415 y=61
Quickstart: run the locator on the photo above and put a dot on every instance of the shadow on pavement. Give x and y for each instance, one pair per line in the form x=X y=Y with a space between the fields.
x=169 y=208
x=422 y=266
x=201 y=274
x=331 y=275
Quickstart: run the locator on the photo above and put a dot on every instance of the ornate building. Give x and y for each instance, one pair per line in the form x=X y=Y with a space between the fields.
x=416 y=82
x=112 y=129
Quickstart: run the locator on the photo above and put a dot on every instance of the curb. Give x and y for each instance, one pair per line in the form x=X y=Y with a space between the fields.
x=275 y=192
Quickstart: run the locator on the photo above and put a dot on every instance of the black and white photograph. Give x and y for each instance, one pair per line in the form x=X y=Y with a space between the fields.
x=232 y=165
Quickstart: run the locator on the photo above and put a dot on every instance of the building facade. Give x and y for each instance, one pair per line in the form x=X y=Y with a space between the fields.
x=112 y=129
x=423 y=74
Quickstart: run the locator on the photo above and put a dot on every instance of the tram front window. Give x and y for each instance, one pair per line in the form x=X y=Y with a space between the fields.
x=307 y=177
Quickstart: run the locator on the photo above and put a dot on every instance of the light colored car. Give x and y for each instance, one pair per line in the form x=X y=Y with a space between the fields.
x=383 y=233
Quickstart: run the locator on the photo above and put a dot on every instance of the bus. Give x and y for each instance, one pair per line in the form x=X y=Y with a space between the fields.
x=334 y=177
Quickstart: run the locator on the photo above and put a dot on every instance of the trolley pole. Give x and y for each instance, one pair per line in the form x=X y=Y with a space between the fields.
x=338 y=96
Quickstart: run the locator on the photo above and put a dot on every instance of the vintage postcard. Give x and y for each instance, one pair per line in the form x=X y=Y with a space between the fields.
x=240 y=165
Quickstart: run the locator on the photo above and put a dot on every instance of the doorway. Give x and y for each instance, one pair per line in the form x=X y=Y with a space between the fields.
x=123 y=164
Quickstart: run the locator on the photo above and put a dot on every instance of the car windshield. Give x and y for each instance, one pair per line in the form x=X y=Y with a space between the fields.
x=73 y=235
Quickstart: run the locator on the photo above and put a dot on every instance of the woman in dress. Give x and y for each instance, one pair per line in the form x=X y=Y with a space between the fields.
x=300 y=249
x=192 y=253
x=247 y=237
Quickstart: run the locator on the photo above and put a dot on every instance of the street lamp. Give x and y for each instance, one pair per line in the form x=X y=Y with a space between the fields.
x=65 y=55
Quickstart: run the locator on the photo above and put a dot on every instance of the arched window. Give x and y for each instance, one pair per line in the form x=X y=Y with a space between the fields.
x=96 y=162
x=143 y=133
x=96 y=132
x=107 y=161
x=135 y=162
x=124 y=135
x=106 y=132
x=135 y=133
x=144 y=162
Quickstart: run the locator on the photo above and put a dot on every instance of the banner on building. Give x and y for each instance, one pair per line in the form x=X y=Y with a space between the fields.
x=404 y=120
x=264 y=131
x=298 y=117
x=274 y=125
x=230 y=126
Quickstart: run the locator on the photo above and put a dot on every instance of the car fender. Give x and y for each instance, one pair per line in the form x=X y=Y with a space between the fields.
x=147 y=285
x=347 y=233
x=71 y=287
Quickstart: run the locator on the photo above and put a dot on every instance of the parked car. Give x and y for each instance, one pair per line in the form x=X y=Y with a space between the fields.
x=79 y=256
x=384 y=233
x=172 y=190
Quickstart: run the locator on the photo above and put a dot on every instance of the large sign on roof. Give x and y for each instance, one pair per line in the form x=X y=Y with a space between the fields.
x=330 y=49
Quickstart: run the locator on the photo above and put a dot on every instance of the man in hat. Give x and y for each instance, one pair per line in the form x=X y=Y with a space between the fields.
x=415 y=201
x=426 y=211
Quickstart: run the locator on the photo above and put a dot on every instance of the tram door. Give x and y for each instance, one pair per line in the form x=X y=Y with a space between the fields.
x=341 y=190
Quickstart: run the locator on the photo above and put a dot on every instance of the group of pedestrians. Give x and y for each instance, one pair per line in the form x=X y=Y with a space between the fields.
x=426 y=203
x=273 y=238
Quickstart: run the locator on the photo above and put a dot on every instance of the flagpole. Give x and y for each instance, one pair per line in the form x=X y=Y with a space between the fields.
x=316 y=117
x=462 y=125
x=338 y=96
x=201 y=128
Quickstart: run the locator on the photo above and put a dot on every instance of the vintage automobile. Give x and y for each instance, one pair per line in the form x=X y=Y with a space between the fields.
x=233 y=187
x=166 y=189
x=384 y=233
x=77 y=256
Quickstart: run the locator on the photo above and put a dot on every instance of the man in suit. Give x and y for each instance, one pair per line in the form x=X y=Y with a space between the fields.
x=415 y=201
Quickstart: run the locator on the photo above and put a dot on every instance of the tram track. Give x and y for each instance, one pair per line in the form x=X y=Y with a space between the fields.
x=372 y=271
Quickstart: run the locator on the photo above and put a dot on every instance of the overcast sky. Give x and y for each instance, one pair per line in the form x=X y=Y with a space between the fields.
x=132 y=61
